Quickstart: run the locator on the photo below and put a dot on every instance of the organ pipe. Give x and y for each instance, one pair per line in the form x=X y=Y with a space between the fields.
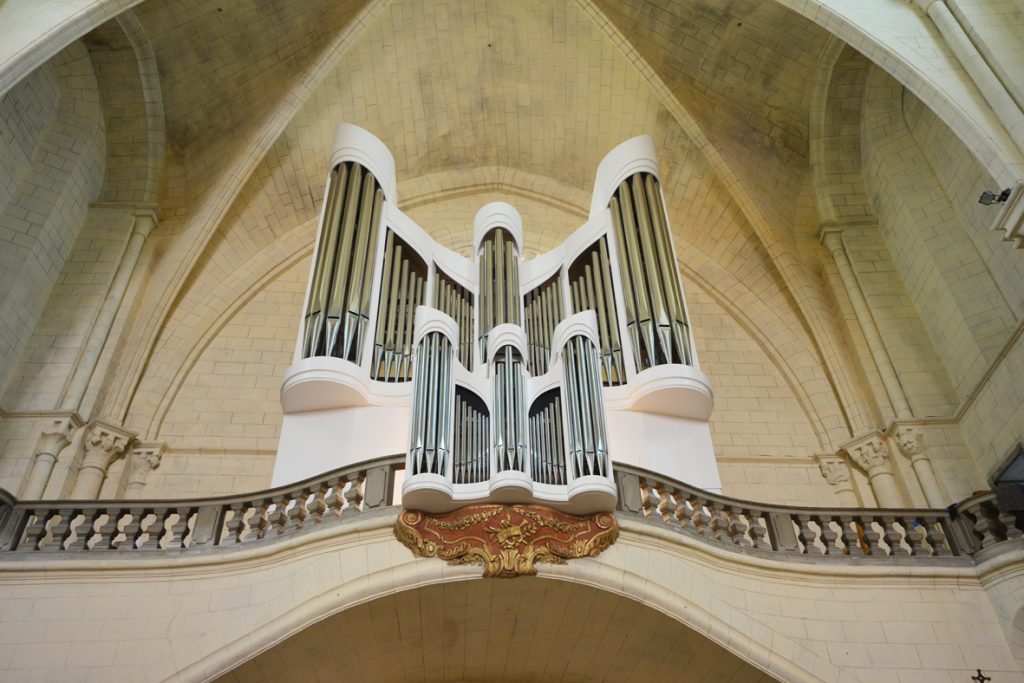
x=546 y=441
x=338 y=308
x=432 y=406
x=509 y=411
x=403 y=287
x=457 y=302
x=585 y=422
x=499 y=283
x=470 y=461
x=655 y=315
x=543 y=310
x=591 y=288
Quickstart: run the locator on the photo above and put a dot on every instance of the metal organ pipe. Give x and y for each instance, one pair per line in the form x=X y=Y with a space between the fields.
x=432 y=406
x=509 y=411
x=591 y=282
x=403 y=287
x=588 y=449
x=655 y=314
x=339 y=299
x=499 y=283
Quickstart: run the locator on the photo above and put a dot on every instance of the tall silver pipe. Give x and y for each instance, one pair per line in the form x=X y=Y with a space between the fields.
x=342 y=260
x=369 y=255
x=323 y=270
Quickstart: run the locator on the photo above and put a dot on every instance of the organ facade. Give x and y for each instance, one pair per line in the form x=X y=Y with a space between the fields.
x=502 y=377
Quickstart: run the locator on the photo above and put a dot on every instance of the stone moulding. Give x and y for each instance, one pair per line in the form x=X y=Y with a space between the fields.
x=507 y=539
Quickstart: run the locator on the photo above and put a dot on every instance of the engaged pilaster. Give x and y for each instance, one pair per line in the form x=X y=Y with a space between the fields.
x=143 y=459
x=910 y=441
x=832 y=238
x=871 y=454
x=103 y=445
x=54 y=438
x=836 y=472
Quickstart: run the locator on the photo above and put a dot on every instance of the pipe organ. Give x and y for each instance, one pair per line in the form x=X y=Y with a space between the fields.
x=501 y=378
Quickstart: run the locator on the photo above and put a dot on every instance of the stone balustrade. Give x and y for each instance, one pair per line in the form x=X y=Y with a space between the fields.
x=963 y=534
x=954 y=536
x=70 y=526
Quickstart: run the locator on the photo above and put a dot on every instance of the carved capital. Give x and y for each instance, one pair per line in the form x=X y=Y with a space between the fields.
x=910 y=441
x=144 y=459
x=104 y=444
x=871 y=453
x=55 y=437
x=834 y=469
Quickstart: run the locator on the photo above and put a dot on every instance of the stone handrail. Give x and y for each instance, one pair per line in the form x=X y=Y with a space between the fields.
x=955 y=535
x=963 y=533
x=53 y=526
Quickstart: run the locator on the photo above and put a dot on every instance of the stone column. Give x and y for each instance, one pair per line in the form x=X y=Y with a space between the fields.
x=832 y=238
x=103 y=445
x=995 y=94
x=871 y=454
x=55 y=437
x=837 y=473
x=142 y=460
x=145 y=221
x=910 y=441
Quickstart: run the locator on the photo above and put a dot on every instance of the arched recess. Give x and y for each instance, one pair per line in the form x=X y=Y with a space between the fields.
x=207 y=217
x=527 y=630
x=129 y=83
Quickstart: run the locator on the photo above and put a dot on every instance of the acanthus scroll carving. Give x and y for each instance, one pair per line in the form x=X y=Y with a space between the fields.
x=508 y=540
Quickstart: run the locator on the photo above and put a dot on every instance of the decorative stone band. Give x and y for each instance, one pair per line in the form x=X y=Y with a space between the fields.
x=508 y=540
x=969 y=532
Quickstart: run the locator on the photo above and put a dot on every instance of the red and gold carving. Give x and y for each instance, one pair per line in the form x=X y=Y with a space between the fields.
x=508 y=540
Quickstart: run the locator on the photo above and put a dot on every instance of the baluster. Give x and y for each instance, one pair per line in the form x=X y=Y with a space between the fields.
x=156 y=529
x=108 y=531
x=988 y=526
x=297 y=515
x=179 y=530
x=682 y=513
x=236 y=525
x=35 y=532
x=935 y=537
x=667 y=504
x=354 y=493
x=870 y=537
x=132 y=530
x=278 y=519
x=807 y=535
x=913 y=533
x=759 y=531
x=59 y=531
x=647 y=503
x=892 y=536
x=850 y=536
x=699 y=519
x=318 y=506
x=719 y=523
x=737 y=528
x=88 y=529
x=335 y=501
x=1011 y=522
x=828 y=534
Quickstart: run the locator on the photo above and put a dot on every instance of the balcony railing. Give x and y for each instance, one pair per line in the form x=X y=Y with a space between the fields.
x=965 y=533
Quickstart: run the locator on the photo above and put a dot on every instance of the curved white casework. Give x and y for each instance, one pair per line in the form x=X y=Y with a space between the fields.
x=497 y=215
x=348 y=391
x=352 y=143
x=636 y=155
